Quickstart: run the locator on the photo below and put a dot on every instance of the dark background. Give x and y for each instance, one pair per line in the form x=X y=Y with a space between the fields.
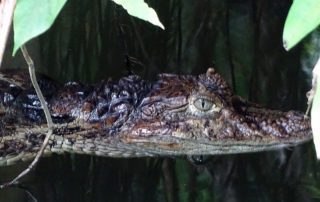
x=242 y=39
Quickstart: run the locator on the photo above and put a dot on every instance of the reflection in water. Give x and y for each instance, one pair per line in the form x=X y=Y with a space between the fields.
x=269 y=176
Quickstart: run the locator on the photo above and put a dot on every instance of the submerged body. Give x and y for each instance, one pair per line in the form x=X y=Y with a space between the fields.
x=175 y=115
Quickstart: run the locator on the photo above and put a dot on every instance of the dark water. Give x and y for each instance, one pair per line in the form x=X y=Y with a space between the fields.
x=241 y=39
x=289 y=175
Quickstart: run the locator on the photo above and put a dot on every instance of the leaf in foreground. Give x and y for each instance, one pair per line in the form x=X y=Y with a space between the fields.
x=303 y=17
x=32 y=18
x=315 y=114
x=139 y=9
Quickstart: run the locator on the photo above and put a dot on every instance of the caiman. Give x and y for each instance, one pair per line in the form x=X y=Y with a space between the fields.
x=175 y=115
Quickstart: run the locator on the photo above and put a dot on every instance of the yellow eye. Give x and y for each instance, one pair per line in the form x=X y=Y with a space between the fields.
x=203 y=104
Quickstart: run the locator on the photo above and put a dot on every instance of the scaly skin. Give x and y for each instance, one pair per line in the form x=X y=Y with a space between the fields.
x=174 y=116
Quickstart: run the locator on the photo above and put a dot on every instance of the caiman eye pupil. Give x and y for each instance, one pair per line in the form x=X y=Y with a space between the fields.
x=203 y=104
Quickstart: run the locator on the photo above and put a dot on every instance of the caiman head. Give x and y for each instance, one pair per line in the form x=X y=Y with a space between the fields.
x=199 y=115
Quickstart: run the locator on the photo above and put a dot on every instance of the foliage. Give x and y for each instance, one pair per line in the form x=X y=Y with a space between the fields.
x=315 y=117
x=139 y=9
x=303 y=17
x=32 y=18
x=28 y=25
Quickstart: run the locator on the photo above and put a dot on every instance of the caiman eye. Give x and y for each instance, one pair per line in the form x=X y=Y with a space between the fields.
x=203 y=104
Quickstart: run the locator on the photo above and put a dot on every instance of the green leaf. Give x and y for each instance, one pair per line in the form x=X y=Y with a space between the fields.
x=139 y=9
x=315 y=118
x=32 y=18
x=303 y=17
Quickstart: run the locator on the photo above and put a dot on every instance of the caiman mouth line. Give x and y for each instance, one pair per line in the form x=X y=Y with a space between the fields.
x=174 y=146
x=175 y=115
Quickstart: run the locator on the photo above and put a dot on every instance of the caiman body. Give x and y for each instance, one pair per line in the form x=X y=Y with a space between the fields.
x=175 y=115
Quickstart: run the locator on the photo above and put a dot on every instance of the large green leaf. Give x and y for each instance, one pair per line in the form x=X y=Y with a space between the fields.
x=139 y=9
x=32 y=18
x=303 y=17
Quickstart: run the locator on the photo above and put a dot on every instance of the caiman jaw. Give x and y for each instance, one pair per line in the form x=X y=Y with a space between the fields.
x=227 y=135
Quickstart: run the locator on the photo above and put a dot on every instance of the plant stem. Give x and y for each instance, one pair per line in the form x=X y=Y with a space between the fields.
x=46 y=112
